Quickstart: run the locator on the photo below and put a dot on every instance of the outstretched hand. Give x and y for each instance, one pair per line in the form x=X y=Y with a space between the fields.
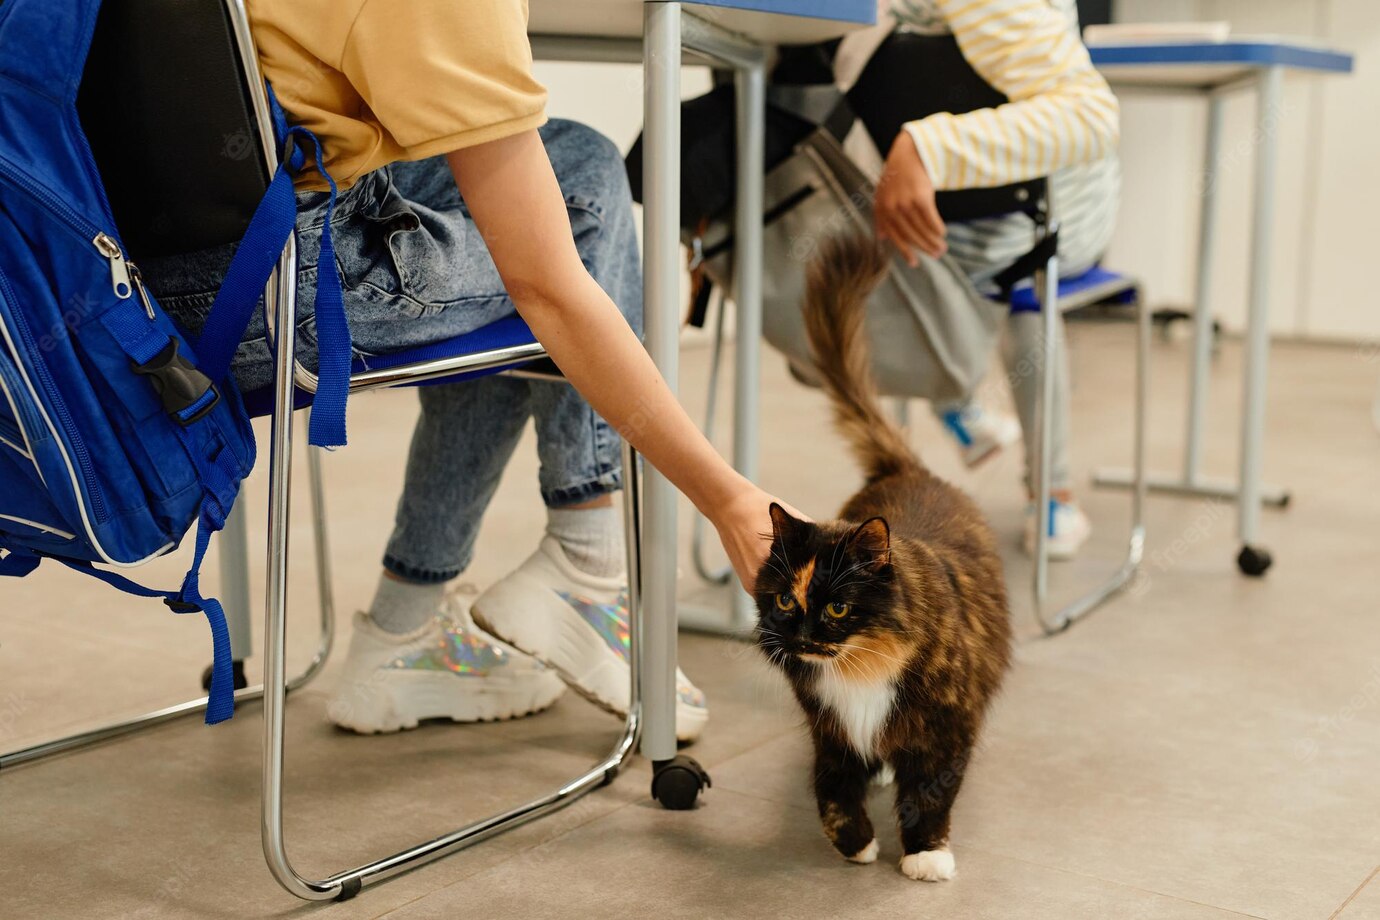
x=744 y=526
x=905 y=210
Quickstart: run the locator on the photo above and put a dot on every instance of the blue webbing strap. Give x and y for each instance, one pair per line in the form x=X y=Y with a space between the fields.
x=273 y=221
x=17 y=565
x=333 y=341
x=218 y=479
x=220 y=703
x=143 y=341
x=239 y=293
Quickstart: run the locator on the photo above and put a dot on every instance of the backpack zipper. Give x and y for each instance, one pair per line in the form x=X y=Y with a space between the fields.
x=120 y=270
x=36 y=190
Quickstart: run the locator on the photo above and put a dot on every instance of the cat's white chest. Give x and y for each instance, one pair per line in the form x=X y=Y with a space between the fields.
x=862 y=707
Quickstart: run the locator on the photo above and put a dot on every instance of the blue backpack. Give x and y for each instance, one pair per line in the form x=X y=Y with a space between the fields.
x=117 y=432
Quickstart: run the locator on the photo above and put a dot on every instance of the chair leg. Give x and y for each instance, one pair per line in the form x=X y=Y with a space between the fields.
x=1047 y=285
x=324 y=590
x=346 y=884
x=234 y=580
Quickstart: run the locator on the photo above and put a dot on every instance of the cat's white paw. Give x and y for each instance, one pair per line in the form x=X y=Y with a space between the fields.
x=929 y=866
x=884 y=776
x=867 y=854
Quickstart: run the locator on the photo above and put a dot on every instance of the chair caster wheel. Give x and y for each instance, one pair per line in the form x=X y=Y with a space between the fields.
x=237 y=669
x=678 y=782
x=1253 y=561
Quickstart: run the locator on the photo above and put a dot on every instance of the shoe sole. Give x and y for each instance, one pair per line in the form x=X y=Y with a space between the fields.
x=579 y=655
x=378 y=710
x=1054 y=552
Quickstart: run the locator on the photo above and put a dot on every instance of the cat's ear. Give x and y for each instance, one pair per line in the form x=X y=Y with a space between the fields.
x=872 y=538
x=782 y=524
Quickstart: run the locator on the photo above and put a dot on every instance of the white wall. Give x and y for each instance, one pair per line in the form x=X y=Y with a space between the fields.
x=1328 y=194
x=607 y=96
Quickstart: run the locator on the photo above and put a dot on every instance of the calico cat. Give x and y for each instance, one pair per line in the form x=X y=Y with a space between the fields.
x=891 y=622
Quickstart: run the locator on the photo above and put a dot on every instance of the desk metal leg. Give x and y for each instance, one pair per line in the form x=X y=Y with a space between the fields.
x=1191 y=483
x=751 y=98
x=749 y=62
x=1254 y=560
x=1201 y=368
x=661 y=307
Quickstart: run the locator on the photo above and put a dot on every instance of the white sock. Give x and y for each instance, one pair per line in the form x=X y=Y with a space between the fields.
x=592 y=538
x=402 y=607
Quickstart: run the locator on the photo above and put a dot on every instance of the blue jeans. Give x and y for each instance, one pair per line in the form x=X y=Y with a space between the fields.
x=416 y=272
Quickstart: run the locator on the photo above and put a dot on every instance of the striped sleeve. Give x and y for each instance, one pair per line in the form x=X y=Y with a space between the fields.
x=1061 y=111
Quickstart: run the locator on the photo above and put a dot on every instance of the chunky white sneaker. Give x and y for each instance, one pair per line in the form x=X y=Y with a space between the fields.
x=1069 y=529
x=448 y=669
x=980 y=433
x=577 y=624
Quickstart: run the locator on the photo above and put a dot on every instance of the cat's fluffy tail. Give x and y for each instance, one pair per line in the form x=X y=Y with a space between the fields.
x=841 y=278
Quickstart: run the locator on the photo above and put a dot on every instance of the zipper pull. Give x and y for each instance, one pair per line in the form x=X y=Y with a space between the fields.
x=119 y=268
x=138 y=278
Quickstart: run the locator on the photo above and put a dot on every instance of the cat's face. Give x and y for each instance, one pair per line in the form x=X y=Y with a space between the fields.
x=824 y=586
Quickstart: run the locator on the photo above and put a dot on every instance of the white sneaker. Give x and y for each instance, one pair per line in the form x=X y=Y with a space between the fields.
x=448 y=669
x=981 y=434
x=1069 y=529
x=577 y=624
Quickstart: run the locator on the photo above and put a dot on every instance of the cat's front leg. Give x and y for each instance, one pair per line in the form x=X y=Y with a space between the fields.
x=926 y=786
x=841 y=779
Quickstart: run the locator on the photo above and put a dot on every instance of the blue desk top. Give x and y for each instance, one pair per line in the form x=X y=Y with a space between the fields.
x=856 y=11
x=1246 y=52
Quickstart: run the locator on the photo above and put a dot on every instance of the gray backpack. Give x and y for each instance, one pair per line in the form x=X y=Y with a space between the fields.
x=932 y=333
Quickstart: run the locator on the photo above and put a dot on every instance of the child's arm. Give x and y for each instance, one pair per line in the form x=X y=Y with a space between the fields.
x=512 y=193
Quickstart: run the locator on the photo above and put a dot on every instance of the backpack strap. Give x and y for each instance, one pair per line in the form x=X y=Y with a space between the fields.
x=219 y=478
x=256 y=258
x=17 y=565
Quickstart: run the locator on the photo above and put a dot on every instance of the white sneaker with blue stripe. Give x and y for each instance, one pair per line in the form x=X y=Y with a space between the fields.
x=980 y=433
x=577 y=625
x=1069 y=529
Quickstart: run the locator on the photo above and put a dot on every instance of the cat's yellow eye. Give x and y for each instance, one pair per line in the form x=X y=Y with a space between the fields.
x=785 y=602
x=837 y=611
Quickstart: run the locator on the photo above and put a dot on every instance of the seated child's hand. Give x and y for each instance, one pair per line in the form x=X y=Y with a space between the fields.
x=905 y=209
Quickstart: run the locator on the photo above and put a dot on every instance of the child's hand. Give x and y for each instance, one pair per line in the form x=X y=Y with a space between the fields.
x=744 y=526
x=905 y=210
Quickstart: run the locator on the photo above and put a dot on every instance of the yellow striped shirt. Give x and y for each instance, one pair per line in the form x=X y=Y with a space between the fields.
x=1061 y=112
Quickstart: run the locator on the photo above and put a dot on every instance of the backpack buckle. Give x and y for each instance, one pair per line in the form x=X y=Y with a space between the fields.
x=180 y=606
x=188 y=395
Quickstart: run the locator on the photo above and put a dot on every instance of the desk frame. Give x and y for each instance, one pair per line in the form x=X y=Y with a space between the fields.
x=1248 y=490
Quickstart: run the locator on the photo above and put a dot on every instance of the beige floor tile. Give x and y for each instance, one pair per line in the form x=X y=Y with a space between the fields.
x=741 y=857
x=1364 y=904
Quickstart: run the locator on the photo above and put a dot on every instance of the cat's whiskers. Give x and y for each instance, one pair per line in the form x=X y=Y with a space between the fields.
x=864 y=648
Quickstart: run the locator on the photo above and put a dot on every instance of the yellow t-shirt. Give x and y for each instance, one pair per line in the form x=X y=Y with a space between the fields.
x=385 y=80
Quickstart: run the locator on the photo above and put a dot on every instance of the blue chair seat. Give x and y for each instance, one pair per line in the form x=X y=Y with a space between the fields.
x=508 y=332
x=1095 y=285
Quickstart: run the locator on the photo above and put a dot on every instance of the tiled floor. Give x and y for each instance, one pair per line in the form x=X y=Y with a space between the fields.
x=1204 y=747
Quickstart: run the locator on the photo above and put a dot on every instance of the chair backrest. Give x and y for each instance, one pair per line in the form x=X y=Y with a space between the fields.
x=937 y=78
x=166 y=106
